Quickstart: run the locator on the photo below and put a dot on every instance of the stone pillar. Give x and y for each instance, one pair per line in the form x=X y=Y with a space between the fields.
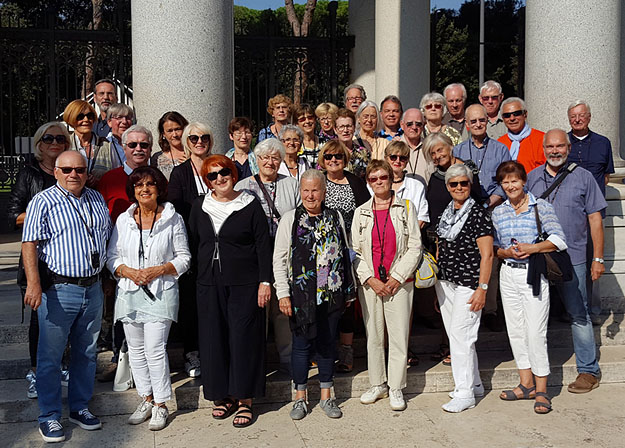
x=572 y=51
x=362 y=58
x=183 y=60
x=402 y=50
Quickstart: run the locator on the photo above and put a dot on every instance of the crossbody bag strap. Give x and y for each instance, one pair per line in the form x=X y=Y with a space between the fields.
x=558 y=181
x=268 y=198
x=538 y=225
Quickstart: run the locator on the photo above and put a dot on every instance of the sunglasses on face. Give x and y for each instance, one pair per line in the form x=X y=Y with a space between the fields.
x=516 y=113
x=149 y=183
x=394 y=157
x=490 y=98
x=463 y=184
x=477 y=120
x=434 y=106
x=69 y=169
x=48 y=139
x=374 y=179
x=88 y=115
x=205 y=138
x=224 y=172
x=133 y=145
x=306 y=118
x=329 y=157
x=410 y=124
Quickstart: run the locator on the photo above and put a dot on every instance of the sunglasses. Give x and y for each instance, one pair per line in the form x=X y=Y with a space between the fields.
x=410 y=124
x=88 y=115
x=69 y=169
x=463 y=184
x=383 y=178
x=305 y=118
x=224 y=172
x=433 y=106
x=48 y=139
x=394 y=157
x=336 y=156
x=477 y=120
x=516 y=113
x=491 y=98
x=149 y=183
x=133 y=145
x=194 y=138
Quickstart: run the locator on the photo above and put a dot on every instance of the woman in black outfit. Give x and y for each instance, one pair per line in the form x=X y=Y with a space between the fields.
x=229 y=237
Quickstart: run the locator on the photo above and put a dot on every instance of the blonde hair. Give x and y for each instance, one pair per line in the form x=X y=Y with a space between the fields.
x=203 y=128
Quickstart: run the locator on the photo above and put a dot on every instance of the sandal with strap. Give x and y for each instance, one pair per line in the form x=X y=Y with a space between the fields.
x=227 y=406
x=413 y=360
x=511 y=396
x=546 y=407
x=243 y=408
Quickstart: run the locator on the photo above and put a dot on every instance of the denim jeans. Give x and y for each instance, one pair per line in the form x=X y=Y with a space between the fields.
x=74 y=312
x=573 y=294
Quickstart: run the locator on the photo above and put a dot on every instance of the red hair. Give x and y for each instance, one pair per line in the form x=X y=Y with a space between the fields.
x=221 y=161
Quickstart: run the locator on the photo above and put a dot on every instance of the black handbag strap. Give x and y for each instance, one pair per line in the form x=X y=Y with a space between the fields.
x=268 y=198
x=538 y=225
x=558 y=181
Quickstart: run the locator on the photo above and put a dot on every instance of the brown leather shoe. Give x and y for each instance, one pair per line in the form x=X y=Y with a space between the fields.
x=585 y=382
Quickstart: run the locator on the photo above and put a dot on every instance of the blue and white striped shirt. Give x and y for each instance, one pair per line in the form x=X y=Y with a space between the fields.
x=65 y=244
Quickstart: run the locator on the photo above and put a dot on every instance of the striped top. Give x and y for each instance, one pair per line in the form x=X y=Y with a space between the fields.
x=68 y=229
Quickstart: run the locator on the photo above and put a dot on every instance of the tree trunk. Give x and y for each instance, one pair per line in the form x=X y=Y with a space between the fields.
x=88 y=85
x=300 y=83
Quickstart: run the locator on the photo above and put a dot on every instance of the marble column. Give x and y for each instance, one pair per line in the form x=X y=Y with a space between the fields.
x=572 y=51
x=362 y=57
x=183 y=60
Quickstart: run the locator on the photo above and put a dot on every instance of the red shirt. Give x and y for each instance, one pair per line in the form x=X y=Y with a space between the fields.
x=112 y=186
x=388 y=237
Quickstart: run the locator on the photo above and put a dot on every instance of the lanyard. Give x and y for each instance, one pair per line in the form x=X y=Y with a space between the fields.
x=203 y=192
x=382 y=239
x=416 y=163
x=141 y=250
x=89 y=226
x=296 y=167
x=114 y=143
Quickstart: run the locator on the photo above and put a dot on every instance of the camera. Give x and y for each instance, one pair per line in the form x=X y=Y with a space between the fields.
x=95 y=260
x=382 y=273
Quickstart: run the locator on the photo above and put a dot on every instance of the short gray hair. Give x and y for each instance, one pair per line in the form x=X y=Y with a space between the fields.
x=514 y=99
x=566 y=136
x=363 y=94
x=455 y=85
x=120 y=109
x=136 y=128
x=433 y=97
x=292 y=128
x=314 y=174
x=458 y=170
x=490 y=84
x=360 y=110
x=578 y=103
x=269 y=147
x=434 y=139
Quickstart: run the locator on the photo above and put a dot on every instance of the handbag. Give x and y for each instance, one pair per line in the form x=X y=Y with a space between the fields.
x=123 y=376
x=427 y=268
x=558 y=264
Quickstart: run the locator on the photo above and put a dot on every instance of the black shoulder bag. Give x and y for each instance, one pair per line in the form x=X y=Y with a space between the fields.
x=268 y=197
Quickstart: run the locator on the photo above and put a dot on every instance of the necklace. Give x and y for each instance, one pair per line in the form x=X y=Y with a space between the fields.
x=521 y=204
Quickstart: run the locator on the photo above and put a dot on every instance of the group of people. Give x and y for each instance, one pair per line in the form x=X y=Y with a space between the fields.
x=322 y=223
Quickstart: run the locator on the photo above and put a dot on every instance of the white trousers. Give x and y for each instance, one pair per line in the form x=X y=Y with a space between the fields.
x=147 y=351
x=462 y=326
x=392 y=313
x=526 y=319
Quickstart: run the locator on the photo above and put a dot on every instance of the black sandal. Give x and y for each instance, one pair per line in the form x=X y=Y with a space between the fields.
x=413 y=360
x=243 y=408
x=222 y=406
x=509 y=395
x=539 y=404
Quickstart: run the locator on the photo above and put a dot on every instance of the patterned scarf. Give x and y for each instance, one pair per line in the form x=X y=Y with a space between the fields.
x=319 y=269
x=452 y=221
x=517 y=139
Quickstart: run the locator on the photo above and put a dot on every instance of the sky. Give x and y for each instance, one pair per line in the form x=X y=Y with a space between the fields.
x=275 y=4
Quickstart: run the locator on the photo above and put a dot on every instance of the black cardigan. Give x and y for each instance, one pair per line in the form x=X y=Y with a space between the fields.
x=359 y=188
x=29 y=182
x=243 y=242
x=182 y=190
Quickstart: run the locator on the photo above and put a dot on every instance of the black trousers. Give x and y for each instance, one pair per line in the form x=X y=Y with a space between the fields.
x=231 y=329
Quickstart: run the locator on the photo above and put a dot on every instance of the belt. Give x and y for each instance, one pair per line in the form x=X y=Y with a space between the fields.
x=512 y=264
x=85 y=282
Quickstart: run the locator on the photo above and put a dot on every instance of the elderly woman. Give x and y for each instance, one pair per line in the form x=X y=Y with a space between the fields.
x=51 y=139
x=147 y=252
x=81 y=116
x=465 y=257
x=314 y=300
x=170 y=128
x=230 y=239
x=185 y=186
x=240 y=131
x=526 y=308
x=326 y=114
x=277 y=194
x=387 y=242
x=433 y=106
x=304 y=114
x=359 y=155
x=279 y=107
x=344 y=193
x=368 y=124
x=119 y=117
x=293 y=164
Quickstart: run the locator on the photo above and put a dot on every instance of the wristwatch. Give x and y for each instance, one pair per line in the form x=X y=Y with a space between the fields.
x=599 y=260
x=484 y=286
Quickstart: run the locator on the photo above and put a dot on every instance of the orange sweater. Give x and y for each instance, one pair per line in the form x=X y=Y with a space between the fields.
x=531 y=153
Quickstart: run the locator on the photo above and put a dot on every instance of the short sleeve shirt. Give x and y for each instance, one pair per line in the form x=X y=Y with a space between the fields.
x=595 y=154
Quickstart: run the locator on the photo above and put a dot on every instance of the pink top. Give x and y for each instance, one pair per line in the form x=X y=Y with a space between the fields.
x=390 y=246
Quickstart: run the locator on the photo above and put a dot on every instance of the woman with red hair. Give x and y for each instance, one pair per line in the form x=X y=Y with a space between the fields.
x=230 y=242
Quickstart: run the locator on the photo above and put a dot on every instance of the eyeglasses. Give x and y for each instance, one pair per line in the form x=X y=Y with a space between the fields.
x=48 y=139
x=194 y=138
x=326 y=119
x=88 y=115
x=516 y=113
x=329 y=157
x=121 y=117
x=394 y=157
x=295 y=141
x=410 y=124
x=477 y=120
x=224 y=172
x=353 y=98
x=374 y=179
x=69 y=169
x=239 y=134
x=133 y=145
x=366 y=117
x=490 y=98
x=305 y=118
x=270 y=158
x=579 y=116
x=463 y=184
x=345 y=127
x=149 y=183
x=437 y=106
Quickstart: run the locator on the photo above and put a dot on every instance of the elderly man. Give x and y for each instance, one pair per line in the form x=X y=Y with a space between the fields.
x=105 y=96
x=412 y=124
x=578 y=203
x=391 y=111
x=119 y=118
x=490 y=97
x=525 y=143
x=354 y=95
x=456 y=96
x=64 y=250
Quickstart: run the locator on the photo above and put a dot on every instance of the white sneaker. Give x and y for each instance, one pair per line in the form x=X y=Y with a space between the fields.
x=144 y=410
x=192 y=365
x=478 y=391
x=374 y=394
x=397 y=400
x=459 y=404
x=159 y=418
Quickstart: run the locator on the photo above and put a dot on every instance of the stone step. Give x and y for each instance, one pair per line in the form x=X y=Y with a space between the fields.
x=498 y=371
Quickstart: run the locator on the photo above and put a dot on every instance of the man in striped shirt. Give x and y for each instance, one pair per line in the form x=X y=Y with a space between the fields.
x=66 y=228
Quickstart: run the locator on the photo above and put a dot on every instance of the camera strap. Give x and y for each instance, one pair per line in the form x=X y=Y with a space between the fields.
x=382 y=239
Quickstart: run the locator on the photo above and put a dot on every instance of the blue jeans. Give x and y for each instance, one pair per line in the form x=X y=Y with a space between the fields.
x=573 y=294
x=74 y=312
